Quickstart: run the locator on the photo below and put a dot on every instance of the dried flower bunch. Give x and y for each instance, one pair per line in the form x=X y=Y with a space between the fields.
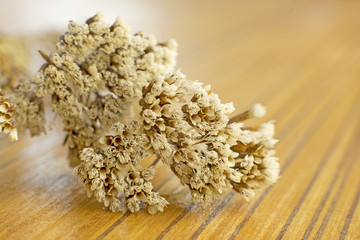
x=121 y=101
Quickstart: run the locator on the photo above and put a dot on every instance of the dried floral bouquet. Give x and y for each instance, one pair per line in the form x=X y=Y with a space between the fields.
x=121 y=100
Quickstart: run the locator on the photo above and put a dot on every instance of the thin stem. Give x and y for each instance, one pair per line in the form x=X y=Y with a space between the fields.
x=240 y=117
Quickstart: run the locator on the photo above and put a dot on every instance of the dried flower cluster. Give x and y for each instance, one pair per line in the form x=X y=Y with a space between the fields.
x=96 y=75
x=30 y=111
x=121 y=101
x=189 y=128
x=7 y=124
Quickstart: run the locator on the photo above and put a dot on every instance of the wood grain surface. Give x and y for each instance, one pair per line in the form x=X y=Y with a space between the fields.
x=299 y=58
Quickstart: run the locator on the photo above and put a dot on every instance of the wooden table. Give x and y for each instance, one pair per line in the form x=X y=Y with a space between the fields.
x=299 y=58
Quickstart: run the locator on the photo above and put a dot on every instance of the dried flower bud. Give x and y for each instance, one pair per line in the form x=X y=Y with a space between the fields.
x=257 y=111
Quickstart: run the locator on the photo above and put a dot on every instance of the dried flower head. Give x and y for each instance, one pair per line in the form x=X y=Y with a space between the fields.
x=96 y=75
x=189 y=128
x=7 y=124
x=114 y=174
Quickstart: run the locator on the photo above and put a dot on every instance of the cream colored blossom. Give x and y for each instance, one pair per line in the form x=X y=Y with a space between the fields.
x=257 y=111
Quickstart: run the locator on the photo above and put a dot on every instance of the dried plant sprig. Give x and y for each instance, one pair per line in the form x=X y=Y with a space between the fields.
x=7 y=124
x=101 y=79
x=95 y=77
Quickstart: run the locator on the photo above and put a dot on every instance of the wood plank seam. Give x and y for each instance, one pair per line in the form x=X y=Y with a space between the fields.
x=127 y=214
x=323 y=201
x=334 y=202
x=212 y=216
x=350 y=215
x=173 y=223
x=330 y=150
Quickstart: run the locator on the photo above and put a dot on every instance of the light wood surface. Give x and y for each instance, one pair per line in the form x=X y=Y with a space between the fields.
x=299 y=58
